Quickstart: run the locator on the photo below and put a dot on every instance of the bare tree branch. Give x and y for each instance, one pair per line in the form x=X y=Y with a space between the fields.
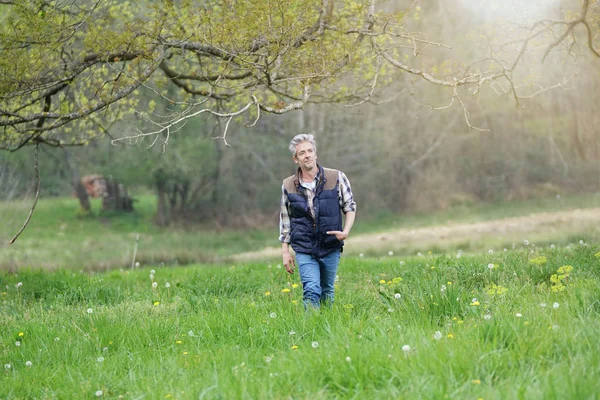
x=36 y=166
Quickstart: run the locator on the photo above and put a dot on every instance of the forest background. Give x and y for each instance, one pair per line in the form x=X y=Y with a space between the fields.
x=412 y=145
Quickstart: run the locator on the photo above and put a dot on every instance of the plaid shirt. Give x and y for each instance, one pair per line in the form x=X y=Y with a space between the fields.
x=345 y=197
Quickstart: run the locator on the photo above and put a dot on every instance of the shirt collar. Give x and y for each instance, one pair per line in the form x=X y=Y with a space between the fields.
x=299 y=171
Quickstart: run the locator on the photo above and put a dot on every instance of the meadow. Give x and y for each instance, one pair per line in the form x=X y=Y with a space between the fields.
x=521 y=323
x=58 y=236
x=513 y=320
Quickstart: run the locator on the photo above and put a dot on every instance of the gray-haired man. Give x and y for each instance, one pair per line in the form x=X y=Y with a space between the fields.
x=312 y=204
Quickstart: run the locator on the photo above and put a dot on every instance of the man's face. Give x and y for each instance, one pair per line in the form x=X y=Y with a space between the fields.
x=306 y=156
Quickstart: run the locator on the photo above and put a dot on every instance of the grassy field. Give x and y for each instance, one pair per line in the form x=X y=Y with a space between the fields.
x=517 y=324
x=58 y=237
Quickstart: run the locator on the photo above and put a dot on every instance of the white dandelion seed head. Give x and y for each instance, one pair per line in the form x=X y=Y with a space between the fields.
x=581 y=242
x=390 y=253
x=314 y=345
x=443 y=288
x=273 y=315
x=152 y=272
x=401 y=262
x=104 y=349
x=487 y=317
x=292 y=333
x=278 y=266
x=474 y=299
x=491 y=266
x=514 y=245
x=137 y=264
x=28 y=364
x=526 y=242
x=390 y=309
x=100 y=359
x=99 y=393
x=552 y=246
x=406 y=348
x=555 y=305
x=348 y=359
x=490 y=251
x=56 y=339
x=151 y=277
x=397 y=295
x=268 y=359
x=518 y=315
x=359 y=336
x=191 y=333
x=7 y=366
x=89 y=311
x=361 y=255
x=437 y=335
x=167 y=285
x=154 y=285
x=419 y=254
x=542 y=304
x=505 y=249
x=17 y=343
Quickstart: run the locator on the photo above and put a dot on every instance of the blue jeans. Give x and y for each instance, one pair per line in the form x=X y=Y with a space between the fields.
x=318 y=276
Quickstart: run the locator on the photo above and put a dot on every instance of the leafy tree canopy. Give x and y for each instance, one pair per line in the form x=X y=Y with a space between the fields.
x=71 y=68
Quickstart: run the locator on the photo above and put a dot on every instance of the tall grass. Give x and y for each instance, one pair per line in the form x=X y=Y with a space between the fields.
x=486 y=326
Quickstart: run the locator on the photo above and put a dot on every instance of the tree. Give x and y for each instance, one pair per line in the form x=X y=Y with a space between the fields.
x=70 y=69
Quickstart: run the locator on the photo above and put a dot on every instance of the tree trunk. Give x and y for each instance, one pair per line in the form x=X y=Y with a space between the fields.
x=78 y=186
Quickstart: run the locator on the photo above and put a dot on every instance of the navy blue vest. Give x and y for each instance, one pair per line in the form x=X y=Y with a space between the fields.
x=308 y=234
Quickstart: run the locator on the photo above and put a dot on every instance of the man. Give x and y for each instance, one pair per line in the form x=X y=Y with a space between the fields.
x=312 y=203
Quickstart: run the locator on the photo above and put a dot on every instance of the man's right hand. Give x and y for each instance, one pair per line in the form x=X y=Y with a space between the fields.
x=288 y=262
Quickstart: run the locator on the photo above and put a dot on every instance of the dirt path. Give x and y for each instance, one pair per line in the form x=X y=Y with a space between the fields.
x=530 y=226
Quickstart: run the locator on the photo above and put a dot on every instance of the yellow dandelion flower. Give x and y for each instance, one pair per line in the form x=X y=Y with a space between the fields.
x=450 y=336
x=156 y=303
x=476 y=381
x=267 y=293
x=460 y=322
x=294 y=285
x=185 y=353
x=475 y=303
x=541 y=260
x=21 y=334
x=448 y=283
x=294 y=301
x=565 y=269
x=382 y=281
x=294 y=347
x=3 y=293
x=285 y=290
x=178 y=342
x=597 y=255
x=432 y=267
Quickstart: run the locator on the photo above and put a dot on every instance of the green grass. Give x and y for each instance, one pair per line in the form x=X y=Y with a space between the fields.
x=58 y=236
x=214 y=333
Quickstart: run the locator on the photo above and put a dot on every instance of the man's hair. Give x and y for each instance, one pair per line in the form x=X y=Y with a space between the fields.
x=303 y=137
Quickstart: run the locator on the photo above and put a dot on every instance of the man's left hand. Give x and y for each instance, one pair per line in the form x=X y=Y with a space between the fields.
x=338 y=234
